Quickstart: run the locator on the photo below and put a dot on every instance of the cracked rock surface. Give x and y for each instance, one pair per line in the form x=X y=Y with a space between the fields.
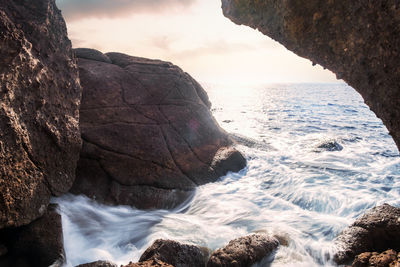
x=148 y=134
x=39 y=109
x=357 y=40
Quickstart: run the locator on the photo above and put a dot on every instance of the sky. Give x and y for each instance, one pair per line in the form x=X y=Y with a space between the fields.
x=192 y=34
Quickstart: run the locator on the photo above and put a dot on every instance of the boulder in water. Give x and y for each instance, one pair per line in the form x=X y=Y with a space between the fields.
x=149 y=263
x=244 y=251
x=149 y=137
x=377 y=230
x=330 y=145
x=175 y=253
x=39 y=109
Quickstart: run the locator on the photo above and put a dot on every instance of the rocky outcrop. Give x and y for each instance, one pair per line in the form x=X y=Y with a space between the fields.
x=358 y=40
x=38 y=244
x=377 y=230
x=148 y=134
x=174 y=253
x=389 y=258
x=39 y=102
x=244 y=251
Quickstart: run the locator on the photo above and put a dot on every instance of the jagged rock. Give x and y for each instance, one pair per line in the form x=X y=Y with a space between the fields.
x=39 y=243
x=358 y=40
x=98 y=264
x=244 y=251
x=148 y=134
x=388 y=258
x=39 y=102
x=176 y=254
x=377 y=230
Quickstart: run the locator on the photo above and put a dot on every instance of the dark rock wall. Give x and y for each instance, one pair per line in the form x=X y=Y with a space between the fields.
x=358 y=40
x=39 y=109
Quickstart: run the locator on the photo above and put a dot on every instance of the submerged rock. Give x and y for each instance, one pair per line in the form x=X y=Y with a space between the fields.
x=39 y=243
x=358 y=40
x=148 y=134
x=244 y=251
x=174 y=253
x=377 y=230
x=39 y=102
x=330 y=145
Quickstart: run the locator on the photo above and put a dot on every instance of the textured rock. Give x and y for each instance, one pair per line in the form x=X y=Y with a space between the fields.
x=387 y=258
x=39 y=102
x=377 y=230
x=244 y=251
x=39 y=243
x=148 y=135
x=174 y=253
x=149 y=263
x=358 y=40
x=98 y=264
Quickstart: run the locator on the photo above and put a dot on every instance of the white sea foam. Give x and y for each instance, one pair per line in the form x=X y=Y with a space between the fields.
x=288 y=188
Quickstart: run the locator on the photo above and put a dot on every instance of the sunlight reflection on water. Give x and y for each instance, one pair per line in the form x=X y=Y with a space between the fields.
x=289 y=187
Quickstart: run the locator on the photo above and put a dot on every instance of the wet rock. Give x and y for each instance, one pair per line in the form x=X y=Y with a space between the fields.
x=149 y=263
x=174 y=253
x=377 y=230
x=39 y=243
x=98 y=264
x=359 y=41
x=330 y=145
x=39 y=102
x=148 y=134
x=244 y=251
x=387 y=258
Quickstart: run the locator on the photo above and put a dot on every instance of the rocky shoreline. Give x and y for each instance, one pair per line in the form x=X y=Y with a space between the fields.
x=143 y=135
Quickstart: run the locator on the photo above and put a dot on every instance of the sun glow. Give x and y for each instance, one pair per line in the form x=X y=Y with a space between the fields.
x=196 y=37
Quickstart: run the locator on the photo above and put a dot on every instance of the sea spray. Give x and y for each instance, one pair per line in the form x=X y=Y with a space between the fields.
x=290 y=186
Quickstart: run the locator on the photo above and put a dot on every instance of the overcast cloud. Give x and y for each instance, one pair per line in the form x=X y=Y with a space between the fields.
x=79 y=9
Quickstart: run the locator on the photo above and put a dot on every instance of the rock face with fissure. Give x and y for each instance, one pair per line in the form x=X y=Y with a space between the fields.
x=39 y=109
x=148 y=135
x=358 y=40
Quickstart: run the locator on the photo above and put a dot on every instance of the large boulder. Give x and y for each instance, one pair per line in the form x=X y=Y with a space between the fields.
x=244 y=251
x=148 y=134
x=358 y=40
x=39 y=109
x=377 y=230
x=39 y=243
x=176 y=254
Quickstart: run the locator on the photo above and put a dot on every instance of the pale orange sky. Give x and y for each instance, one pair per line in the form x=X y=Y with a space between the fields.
x=192 y=34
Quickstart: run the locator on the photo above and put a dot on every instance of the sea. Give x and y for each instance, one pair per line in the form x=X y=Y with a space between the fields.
x=317 y=157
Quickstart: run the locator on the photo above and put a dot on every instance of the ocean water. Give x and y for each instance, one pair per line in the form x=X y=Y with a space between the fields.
x=317 y=159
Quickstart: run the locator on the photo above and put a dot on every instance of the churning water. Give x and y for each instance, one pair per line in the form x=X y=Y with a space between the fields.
x=317 y=159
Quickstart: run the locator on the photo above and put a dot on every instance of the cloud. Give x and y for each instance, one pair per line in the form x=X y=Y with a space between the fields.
x=80 y=9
